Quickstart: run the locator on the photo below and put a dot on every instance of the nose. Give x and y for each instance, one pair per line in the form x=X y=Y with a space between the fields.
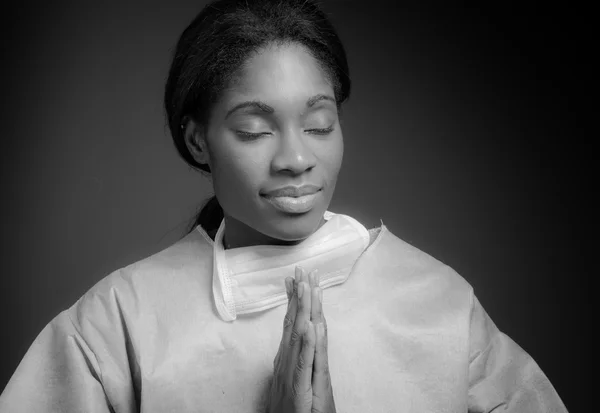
x=294 y=154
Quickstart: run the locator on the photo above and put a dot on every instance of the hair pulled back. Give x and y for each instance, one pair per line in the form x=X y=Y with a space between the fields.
x=214 y=47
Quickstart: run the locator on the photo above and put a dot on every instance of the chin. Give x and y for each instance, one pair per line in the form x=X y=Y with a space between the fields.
x=296 y=227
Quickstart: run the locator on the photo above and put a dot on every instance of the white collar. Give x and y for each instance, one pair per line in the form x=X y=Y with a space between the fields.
x=251 y=279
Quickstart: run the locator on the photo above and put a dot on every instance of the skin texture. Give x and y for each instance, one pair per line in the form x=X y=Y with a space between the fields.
x=301 y=380
x=294 y=144
x=288 y=151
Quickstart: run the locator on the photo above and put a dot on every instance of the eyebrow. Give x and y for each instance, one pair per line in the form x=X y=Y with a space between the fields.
x=268 y=109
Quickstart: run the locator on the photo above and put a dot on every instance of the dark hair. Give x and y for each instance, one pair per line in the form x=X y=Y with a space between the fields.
x=214 y=47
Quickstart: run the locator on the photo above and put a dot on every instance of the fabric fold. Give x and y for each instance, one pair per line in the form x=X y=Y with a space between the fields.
x=251 y=279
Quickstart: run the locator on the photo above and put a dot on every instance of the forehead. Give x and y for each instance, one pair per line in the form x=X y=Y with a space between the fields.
x=279 y=73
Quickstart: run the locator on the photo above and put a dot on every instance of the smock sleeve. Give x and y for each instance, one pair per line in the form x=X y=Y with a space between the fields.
x=59 y=373
x=502 y=376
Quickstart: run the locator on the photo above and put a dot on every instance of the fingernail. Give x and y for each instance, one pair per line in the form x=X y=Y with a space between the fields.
x=317 y=277
x=300 y=290
x=311 y=277
x=320 y=295
x=320 y=329
x=298 y=274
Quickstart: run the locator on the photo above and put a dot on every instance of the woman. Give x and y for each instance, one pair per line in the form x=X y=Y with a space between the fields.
x=253 y=99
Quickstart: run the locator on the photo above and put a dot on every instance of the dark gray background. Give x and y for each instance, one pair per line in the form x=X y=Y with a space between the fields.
x=461 y=134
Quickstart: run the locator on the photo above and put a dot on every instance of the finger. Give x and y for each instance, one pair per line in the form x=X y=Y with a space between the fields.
x=298 y=275
x=305 y=277
x=316 y=301
x=302 y=316
x=312 y=279
x=288 y=291
x=302 y=312
x=290 y=316
x=304 y=367
x=321 y=363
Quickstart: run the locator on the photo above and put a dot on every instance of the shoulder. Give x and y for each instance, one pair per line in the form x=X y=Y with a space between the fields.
x=408 y=268
x=173 y=273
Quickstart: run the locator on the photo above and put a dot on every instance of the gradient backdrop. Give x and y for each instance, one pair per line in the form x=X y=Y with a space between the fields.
x=461 y=135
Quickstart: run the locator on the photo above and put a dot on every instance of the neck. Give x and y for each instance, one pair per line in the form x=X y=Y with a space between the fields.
x=237 y=234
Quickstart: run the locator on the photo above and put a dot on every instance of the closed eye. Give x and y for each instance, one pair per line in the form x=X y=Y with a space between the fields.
x=250 y=135
x=315 y=131
x=323 y=131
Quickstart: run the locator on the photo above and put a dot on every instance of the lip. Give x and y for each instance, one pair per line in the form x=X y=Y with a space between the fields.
x=293 y=191
x=294 y=205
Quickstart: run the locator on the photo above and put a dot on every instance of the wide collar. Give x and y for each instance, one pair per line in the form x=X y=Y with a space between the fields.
x=251 y=279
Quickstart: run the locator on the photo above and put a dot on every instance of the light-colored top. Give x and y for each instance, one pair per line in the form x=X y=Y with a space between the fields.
x=406 y=334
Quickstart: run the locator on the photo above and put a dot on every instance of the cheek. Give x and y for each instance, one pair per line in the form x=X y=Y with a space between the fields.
x=235 y=174
x=331 y=158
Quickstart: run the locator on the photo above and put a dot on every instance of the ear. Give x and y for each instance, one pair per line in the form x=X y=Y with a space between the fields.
x=195 y=140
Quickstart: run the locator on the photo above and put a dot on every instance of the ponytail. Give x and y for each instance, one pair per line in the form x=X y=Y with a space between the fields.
x=210 y=216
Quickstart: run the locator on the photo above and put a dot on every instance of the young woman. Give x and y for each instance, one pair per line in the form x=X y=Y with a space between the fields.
x=271 y=302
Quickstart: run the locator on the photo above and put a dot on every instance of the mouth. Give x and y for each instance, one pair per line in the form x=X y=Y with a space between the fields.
x=294 y=204
x=293 y=191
